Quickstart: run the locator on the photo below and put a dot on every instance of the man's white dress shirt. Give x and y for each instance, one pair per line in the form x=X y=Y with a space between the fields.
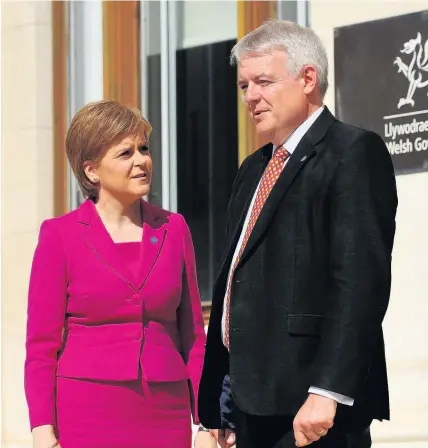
x=290 y=145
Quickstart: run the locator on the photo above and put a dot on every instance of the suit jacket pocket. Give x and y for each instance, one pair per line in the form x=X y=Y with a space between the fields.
x=304 y=324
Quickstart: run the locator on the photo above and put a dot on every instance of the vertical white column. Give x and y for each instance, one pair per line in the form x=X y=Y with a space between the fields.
x=169 y=104
x=172 y=107
x=165 y=103
x=296 y=10
x=302 y=12
x=85 y=69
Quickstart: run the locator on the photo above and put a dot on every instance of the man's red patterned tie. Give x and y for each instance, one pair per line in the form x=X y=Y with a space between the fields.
x=270 y=176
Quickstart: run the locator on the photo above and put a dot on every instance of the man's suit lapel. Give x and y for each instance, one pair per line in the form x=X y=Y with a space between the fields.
x=304 y=151
x=236 y=232
x=299 y=158
x=247 y=194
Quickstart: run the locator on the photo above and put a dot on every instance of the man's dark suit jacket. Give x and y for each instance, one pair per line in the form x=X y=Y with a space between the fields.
x=313 y=284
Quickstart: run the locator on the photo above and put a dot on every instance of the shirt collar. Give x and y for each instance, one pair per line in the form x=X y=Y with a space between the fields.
x=294 y=139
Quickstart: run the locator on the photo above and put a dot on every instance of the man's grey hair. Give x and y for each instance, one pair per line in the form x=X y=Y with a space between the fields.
x=302 y=46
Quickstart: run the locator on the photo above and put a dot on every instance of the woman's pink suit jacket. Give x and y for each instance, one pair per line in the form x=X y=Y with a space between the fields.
x=91 y=318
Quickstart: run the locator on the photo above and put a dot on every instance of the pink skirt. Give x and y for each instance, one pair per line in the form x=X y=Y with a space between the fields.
x=92 y=414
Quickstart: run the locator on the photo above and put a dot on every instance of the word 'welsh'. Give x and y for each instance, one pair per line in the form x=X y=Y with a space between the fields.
x=410 y=136
x=414 y=127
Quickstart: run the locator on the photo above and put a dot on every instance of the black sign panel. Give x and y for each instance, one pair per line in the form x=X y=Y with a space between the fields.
x=381 y=80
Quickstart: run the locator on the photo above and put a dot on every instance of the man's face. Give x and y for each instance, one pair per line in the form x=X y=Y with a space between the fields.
x=276 y=101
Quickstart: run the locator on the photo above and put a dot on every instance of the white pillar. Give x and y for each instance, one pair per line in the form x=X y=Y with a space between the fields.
x=85 y=66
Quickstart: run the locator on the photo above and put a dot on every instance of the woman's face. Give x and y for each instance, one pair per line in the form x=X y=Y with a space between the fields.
x=125 y=171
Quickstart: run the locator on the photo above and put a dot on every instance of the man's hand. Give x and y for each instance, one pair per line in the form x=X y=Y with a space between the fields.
x=225 y=438
x=314 y=419
x=204 y=439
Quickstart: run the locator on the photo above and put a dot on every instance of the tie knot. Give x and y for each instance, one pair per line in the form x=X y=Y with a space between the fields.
x=281 y=153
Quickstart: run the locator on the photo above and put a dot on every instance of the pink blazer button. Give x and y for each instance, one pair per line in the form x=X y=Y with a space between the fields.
x=135 y=299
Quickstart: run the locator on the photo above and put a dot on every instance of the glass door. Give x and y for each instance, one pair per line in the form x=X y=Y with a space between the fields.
x=190 y=97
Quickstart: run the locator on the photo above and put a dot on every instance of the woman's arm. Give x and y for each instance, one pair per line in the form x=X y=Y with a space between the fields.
x=190 y=319
x=45 y=323
x=44 y=437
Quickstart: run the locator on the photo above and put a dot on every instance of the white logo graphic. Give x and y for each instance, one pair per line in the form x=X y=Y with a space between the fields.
x=417 y=70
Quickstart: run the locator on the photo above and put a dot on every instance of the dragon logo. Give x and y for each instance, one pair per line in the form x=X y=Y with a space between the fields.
x=417 y=70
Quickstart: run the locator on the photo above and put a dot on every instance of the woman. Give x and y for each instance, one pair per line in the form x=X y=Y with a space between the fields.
x=115 y=333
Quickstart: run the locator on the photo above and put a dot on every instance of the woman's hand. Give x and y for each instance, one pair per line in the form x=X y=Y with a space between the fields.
x=204 y=439
x=44 y=437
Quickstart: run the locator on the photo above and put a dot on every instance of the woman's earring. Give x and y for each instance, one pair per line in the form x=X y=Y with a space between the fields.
x=95 y=180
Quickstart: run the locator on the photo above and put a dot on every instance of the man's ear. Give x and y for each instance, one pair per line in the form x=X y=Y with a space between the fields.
x=309 y=77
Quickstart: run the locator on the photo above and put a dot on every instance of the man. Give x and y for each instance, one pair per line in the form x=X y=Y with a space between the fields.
x=304 y=286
